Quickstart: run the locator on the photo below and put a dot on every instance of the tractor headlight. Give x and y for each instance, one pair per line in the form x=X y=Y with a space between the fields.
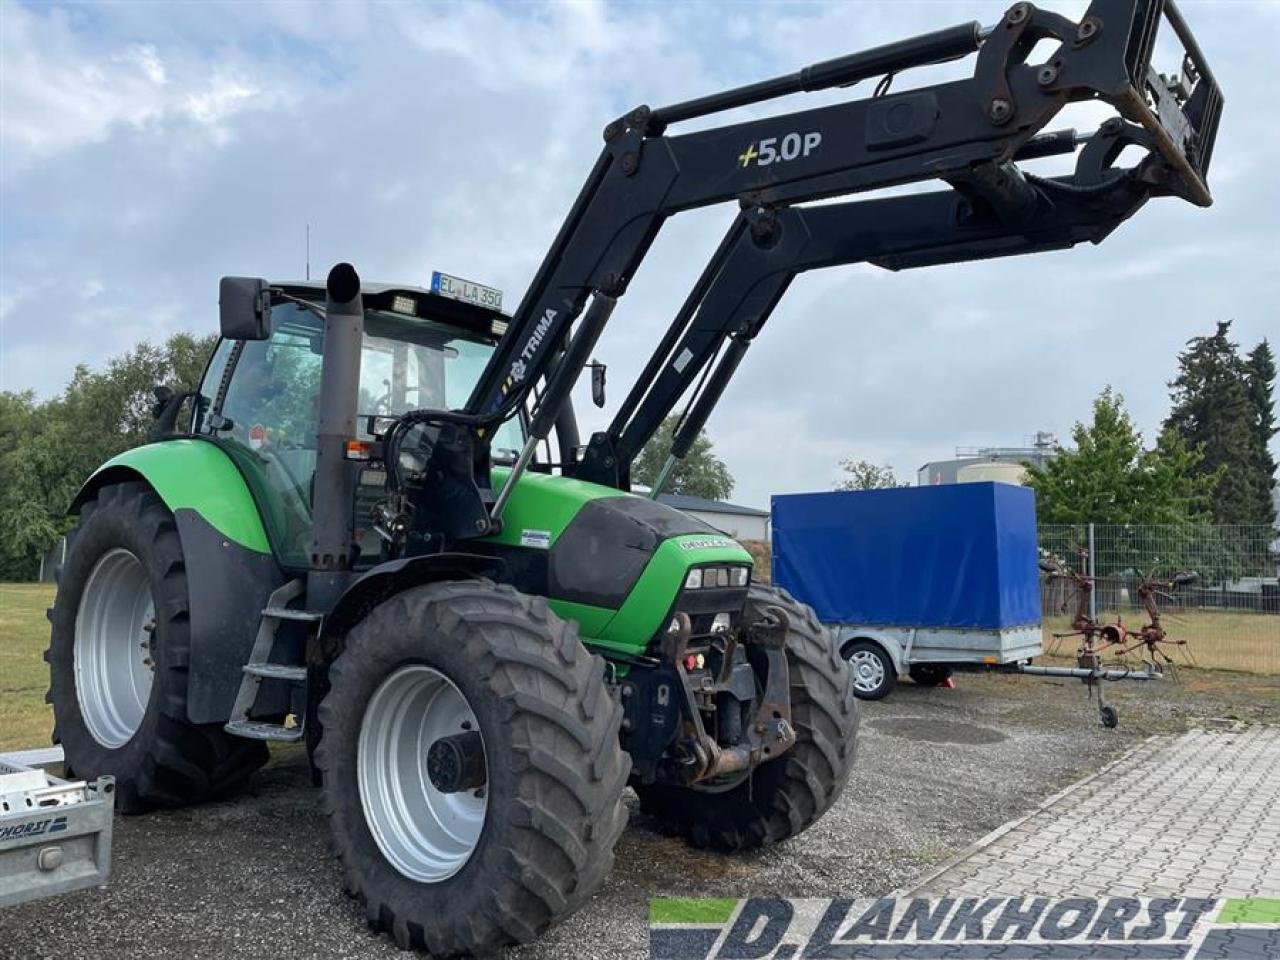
x=716 y=577
x=720 y=623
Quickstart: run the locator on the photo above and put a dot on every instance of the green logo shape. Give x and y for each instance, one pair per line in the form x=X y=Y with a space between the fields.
x=1256 y=910
x=691 y=910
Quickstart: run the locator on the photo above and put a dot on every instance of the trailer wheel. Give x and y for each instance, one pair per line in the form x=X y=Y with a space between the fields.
x=471 y=769
x=786 y=796
x=928 y=674
x=874 y=675
x=118 y=661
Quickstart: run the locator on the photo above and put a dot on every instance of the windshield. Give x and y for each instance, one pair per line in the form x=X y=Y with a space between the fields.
x=410 y=364
x=406 y=363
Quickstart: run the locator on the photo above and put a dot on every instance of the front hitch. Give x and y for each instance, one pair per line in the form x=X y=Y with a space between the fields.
x=769 y=733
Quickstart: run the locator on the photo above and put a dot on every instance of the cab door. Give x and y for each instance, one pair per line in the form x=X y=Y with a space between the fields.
x=265 y=415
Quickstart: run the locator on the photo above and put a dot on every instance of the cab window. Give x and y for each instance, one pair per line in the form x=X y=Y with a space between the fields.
x=270 y=412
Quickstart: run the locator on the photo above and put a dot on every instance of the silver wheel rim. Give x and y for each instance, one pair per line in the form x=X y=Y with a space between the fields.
x=425 y=834
x=868 y=671
x=115 y=625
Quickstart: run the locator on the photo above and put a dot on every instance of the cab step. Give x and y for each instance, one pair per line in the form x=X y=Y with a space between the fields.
x=257 y=730
x=277 y=671
x=288 y=613
x=261 y=669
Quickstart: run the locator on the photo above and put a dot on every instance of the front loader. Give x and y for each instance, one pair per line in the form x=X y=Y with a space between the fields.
x=356 y=544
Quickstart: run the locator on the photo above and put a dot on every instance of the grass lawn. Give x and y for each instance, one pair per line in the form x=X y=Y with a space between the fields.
x=25 y=719
x=1221 y=640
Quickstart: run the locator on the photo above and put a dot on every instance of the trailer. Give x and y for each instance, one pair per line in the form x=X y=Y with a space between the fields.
x=925 y=581
x=55 y=834
x=915 y=580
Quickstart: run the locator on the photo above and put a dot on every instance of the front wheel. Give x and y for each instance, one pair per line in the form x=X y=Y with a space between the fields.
x=786 y=796
x=471 y=768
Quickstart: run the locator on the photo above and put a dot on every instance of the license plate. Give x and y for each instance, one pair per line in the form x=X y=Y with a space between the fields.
x=466 y=291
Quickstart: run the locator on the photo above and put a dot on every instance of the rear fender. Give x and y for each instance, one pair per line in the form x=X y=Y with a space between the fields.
x=230 y=569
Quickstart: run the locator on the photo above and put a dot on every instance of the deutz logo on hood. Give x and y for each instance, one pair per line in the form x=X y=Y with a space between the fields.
x=707 y=543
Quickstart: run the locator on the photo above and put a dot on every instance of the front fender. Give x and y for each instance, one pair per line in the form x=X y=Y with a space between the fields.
x=387 y=579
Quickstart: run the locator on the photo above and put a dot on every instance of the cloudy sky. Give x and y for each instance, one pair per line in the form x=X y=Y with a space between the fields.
x=146 y=149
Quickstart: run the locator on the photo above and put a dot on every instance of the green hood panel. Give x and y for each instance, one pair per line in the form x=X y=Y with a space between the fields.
x=646 y=607
x=538 y=514
x=543 y=504
x=192 y=475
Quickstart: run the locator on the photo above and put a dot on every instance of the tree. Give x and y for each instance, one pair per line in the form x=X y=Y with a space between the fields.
x=865 y=475
x=51 y=447
x=700 y=474
x=1156 y=501
x=1260 y=375
x=1110 y=478
x=1212 y=413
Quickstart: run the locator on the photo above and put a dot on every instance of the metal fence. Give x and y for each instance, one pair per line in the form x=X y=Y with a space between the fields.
x=1229 y=616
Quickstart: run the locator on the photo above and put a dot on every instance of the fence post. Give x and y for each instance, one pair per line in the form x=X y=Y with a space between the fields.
x=1093 y=577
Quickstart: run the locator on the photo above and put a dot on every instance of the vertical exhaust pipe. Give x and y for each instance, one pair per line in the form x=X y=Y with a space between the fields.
x=331 y=508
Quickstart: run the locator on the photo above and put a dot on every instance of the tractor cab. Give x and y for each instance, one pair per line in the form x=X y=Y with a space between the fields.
x=260 y=398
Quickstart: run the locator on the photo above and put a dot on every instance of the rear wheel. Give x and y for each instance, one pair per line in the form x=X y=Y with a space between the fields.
x=118 y=660
x=471 y=768
x=786 y=796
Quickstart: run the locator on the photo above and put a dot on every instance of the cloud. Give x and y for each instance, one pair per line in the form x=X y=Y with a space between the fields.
x=147 y=149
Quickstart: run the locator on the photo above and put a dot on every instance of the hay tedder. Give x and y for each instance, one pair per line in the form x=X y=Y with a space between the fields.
x=364 y=539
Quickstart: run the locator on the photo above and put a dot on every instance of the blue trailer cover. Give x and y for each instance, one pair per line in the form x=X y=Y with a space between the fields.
x=961 y=555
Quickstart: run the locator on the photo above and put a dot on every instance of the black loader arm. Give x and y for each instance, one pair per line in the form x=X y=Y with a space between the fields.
x=765 y=248
x=969 y=133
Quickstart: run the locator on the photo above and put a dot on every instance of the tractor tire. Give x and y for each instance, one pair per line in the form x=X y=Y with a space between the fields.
x=118 y=655
x=470 y=870
x=928 y=674
x=786 y=796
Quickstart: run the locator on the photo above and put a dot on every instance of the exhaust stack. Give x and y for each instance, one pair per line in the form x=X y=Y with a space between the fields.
x=331 y=538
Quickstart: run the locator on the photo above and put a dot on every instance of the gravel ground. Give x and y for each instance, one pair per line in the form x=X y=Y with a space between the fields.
x=937 y=769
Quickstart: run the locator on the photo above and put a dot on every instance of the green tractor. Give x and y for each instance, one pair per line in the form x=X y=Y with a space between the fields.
x=363 y=537
x=473 y=707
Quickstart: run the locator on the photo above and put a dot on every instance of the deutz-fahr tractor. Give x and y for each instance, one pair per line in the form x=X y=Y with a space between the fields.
x=375 y=528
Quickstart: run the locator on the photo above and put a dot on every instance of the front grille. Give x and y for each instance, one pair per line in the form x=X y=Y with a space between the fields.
x=702 y=606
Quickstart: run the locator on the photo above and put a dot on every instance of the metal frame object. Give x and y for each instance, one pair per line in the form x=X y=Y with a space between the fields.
x=55 y=835
x=969 y=133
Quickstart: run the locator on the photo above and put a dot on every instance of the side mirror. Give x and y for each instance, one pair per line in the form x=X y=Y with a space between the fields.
x=597 y=383
x=244 y=308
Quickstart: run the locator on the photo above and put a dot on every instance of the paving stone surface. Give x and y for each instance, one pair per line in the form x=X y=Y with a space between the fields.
x=1196 y=815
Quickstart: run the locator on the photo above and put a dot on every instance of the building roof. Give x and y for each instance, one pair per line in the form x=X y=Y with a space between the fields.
x=703 y=505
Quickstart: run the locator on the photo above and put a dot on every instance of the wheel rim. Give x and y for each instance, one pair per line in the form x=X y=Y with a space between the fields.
x=868 y=671
x=427 y=835
x=114 y=650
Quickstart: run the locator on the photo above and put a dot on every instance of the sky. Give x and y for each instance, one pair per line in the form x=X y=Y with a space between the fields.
x=147 y=149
